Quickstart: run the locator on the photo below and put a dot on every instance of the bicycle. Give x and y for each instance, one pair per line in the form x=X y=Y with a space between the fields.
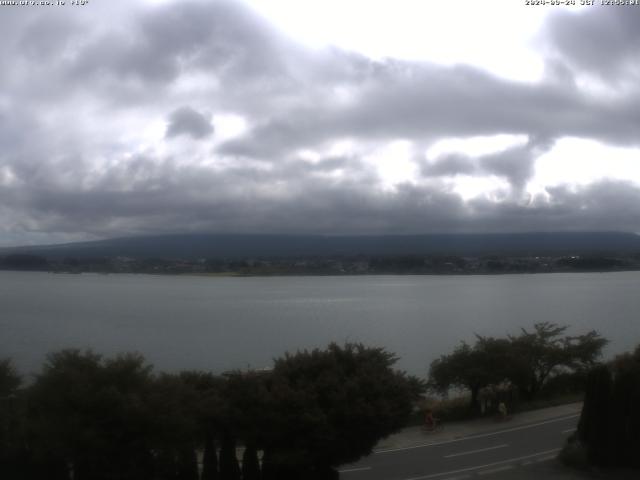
x=435 y=428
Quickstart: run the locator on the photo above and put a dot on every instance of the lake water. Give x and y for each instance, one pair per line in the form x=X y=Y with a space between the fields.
x=186 y=322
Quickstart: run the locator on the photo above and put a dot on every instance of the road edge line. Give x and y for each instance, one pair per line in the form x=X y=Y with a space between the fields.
x=471 y=452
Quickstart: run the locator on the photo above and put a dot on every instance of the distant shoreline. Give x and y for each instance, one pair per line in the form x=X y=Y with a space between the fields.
x=333 y=265
x=328 y=274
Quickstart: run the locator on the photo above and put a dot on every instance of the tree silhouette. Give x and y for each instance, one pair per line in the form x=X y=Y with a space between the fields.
x=90 y=413
x=609 y=425
x=538 y=354
x=229 y=468
x=250 y=464
x=96 y=418
x=210 y=459
x=330 y=407
x=526 y=361
x=472 y=367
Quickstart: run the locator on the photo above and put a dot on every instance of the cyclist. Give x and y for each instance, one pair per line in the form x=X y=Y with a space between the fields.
x=430 y=421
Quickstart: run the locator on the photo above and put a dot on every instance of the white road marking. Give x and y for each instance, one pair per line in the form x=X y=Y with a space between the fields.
x=568 y=430
x=359 y=469
x=475 y=451
x=460 y=477
x=479 y=467
x=544 y=459
x=495 y=470
x=471 y=437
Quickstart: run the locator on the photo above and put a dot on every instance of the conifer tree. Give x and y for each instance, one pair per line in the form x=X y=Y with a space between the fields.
x=210 y=458
x=229 y=468
x=250 y=464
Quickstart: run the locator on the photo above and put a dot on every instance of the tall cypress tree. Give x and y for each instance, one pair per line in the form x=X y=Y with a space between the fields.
x=634 y=421
x=229 y=468
x=210 y=459
x=187 y=464
x=250 y=464
x=166 y=465
x=268 y=470
x=625 y=421
x=594 y=428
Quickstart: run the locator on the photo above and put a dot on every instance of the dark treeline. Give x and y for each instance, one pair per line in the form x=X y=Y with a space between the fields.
x=518 y=367
x=326 y=265
x=87 y=417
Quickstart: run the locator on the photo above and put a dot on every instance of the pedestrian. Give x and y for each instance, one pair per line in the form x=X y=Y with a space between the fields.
x=502 y=408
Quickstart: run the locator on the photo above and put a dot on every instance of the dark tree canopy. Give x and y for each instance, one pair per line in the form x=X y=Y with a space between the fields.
x=472 y=367
x=92 y=413
x=538 y=354
x=609 y=427
x=95 y=418
x=526 y=361
x=332 y=406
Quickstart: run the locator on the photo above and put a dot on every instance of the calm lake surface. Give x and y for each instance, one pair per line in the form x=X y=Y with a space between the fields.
x=218 y=324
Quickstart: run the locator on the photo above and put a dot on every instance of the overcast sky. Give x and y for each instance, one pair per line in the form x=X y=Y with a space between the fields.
x=126 y=117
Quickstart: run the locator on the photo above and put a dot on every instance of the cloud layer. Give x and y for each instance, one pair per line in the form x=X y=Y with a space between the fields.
x=200 y=116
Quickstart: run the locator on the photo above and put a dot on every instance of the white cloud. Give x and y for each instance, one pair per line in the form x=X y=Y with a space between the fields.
x=394 y=163
x=581 y=161
x=490 y=187
x=496 y=36
x=229 y=126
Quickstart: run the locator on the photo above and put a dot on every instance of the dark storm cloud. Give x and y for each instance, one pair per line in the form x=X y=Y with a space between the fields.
x=600 y=41
x=515 y=164
x=160 y=204
x=425 y=102
x=601 y=206
x=222 y=38
x=80 y=96
x=187 y=121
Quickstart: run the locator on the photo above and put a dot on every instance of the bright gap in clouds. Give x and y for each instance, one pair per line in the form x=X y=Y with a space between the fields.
x=495 y=36
x=228 y=126
x=580 y=161
x=393 y=163
x=491 y=187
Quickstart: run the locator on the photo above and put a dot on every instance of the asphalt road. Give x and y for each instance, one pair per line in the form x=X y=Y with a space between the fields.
x=498 y=454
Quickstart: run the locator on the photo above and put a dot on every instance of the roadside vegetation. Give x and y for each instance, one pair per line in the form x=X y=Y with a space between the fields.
x=545 y=367
x=533 y=369
x=608 y=433
x=87 y=417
